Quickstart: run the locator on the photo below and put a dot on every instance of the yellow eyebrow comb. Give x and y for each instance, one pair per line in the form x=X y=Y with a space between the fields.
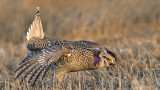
x=110 y=58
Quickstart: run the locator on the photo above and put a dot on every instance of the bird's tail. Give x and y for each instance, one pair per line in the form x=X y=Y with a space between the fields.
x=36 y=30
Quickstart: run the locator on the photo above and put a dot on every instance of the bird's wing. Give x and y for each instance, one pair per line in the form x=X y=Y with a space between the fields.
x=38 y=62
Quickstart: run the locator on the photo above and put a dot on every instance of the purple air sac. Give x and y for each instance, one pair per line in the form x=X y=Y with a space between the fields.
x=96 y=59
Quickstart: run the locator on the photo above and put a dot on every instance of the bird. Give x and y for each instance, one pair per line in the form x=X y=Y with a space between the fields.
x=60 y=56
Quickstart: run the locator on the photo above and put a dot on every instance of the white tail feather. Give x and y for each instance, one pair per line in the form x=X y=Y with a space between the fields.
x=36 y=30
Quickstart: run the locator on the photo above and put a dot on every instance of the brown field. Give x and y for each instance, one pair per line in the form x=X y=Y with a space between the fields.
x=130 y=28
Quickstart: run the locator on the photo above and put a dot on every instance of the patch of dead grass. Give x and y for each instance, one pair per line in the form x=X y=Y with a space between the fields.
x=129 y=28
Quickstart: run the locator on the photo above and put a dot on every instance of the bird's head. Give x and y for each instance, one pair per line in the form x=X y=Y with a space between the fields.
x=107 y=58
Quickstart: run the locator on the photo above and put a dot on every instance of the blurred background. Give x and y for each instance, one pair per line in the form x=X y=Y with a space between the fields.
x=130 y=28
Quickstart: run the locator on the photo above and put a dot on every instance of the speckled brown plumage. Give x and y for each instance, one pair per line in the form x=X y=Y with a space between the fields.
x=66 y=57
x=61 y=56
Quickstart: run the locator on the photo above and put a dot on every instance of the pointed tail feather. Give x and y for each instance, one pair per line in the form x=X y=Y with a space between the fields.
x=36 y=30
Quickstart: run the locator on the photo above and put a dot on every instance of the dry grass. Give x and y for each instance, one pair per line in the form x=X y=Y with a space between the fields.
x=130 y=28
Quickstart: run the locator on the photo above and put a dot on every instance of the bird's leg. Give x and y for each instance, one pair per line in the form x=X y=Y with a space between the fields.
x=59 y=79
x=60 y=74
